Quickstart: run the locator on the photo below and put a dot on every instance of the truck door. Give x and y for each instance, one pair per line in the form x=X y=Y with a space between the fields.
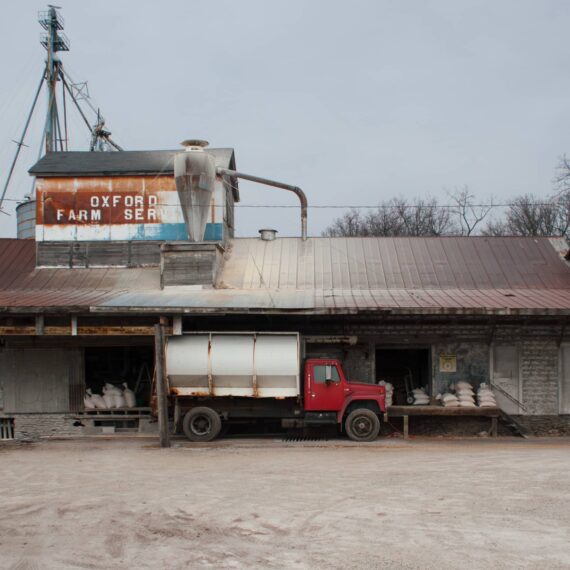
x=324 y=386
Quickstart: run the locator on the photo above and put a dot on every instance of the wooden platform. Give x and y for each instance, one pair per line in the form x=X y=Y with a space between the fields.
x=406 y=411
x=114 y=414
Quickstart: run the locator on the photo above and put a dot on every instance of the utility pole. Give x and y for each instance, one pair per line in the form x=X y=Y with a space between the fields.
x=161 y=383
x=54 y=41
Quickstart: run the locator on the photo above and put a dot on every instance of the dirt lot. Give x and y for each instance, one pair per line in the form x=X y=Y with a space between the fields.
x=125 y=503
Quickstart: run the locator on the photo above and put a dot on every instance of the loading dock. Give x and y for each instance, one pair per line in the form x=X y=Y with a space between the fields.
x=405 y=412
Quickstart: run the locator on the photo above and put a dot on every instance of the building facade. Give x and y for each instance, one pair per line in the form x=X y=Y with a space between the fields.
x=111 y=258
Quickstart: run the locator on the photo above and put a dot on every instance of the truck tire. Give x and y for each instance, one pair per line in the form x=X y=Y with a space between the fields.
x=362 y=425
x=201 y=424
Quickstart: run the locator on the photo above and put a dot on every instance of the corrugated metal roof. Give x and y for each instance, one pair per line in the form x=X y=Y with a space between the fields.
x=124 y=162
x=24 y=285
x=401 y=301
x=396 y=263
x=321 y=275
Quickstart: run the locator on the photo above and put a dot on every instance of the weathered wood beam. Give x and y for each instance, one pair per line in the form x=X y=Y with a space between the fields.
x=66 y=330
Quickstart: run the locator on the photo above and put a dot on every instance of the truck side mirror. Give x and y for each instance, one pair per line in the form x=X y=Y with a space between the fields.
x=328 y=373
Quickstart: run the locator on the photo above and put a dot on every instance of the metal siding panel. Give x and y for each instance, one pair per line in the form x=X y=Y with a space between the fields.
x=340 y=268
x=421 y=256
x=374 y=266
x=407 y=265
x=36 y=380
x=323 y=264
x=445 y=276
x=457 y=264
x=306 y=264
x=505 y=254
x=387 y=251
x=491 y=266
x=357 y=264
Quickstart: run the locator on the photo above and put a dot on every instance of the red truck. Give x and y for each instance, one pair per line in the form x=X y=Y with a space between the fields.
x=219 y=378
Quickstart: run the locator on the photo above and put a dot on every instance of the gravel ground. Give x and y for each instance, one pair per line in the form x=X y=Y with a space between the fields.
x=125 y=503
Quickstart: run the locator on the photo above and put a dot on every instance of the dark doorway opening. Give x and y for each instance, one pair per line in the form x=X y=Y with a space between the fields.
x=118 y=364
x=405 y=368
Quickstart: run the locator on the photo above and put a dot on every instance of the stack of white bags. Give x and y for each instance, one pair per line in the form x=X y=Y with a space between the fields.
x=113 y=397
x=485 y=397
x=465 y=394
x=389 y=391
x=448 y=400
x=420 y=397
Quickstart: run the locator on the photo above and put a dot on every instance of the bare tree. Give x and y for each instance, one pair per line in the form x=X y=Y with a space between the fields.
x=350 y=224
x=465 y=209
x=529 y=215
x=562 y=177
x=396 y=217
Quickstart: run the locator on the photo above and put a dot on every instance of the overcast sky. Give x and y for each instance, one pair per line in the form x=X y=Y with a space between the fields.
x=355 y=102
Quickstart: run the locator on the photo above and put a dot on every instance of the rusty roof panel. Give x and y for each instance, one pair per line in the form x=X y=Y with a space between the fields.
x=319 y=275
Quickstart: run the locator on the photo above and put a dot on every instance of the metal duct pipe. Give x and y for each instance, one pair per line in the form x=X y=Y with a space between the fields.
x=295 y=189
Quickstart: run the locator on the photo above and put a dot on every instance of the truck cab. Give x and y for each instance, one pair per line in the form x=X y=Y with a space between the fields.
x=329 y=397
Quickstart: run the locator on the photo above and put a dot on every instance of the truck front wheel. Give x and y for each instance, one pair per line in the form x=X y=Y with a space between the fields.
x=202 y=424
x=362 y=425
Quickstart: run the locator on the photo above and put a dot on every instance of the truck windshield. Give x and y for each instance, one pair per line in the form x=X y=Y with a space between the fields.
x=324 y=372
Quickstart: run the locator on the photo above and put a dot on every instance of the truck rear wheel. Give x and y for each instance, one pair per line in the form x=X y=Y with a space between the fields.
x=362 y=425
x=202 y=424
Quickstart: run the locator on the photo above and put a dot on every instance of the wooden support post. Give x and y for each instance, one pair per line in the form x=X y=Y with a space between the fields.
x=494 y=425
x=161 y=395
x=40 y=325
x=177 y=325
x=406 y=430
x=176 y=415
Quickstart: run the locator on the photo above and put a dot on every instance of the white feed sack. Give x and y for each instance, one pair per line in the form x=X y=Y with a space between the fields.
x=98 y=401
x=108 y=398
x=465 y=394
x=113 y=397
x=389 y=391
x=448 y=400
x=420 y=397
x=88 y=400
x=485 y=397
x=119 y=401
x=130 y=399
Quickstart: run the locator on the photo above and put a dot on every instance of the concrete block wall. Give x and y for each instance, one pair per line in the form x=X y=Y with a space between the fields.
x=357 y=364
x=538 y=349
x=539 y=367
x=29 y=427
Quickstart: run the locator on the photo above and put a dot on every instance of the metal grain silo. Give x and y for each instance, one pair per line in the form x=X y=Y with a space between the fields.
x=26 y=219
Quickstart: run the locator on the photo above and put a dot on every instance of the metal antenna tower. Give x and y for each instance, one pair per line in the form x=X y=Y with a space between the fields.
x=54 y=133
x=54 y=41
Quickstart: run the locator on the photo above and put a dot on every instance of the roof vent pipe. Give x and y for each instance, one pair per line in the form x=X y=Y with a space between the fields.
x=195 y=176
x=268 y=234
x=295 y=189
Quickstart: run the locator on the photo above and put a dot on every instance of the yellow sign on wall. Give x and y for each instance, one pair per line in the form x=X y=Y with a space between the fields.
x=447 y=363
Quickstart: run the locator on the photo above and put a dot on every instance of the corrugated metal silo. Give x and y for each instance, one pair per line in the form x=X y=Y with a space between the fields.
x=26 y=219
